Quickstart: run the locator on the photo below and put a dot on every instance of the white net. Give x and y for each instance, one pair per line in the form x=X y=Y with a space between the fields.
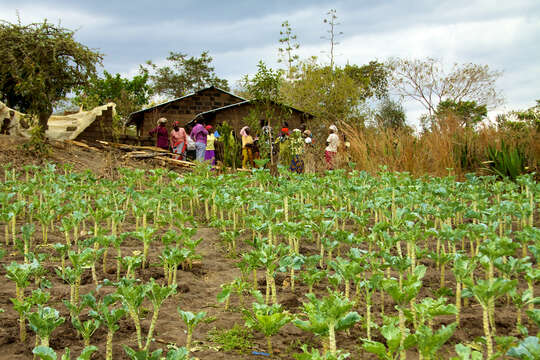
x=61 y=127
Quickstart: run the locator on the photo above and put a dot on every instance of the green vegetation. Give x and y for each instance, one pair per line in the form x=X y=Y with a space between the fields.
x=351 y=252
x=41 y=63
x=183 y=75
x=236 y=338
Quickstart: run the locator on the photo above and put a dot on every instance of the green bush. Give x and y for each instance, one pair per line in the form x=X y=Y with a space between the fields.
x=506 y=162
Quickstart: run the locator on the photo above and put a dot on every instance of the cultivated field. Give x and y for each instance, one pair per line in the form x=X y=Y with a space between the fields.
x=385 y=266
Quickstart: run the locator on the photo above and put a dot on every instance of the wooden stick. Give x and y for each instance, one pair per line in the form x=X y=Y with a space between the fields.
x=176 y=162
x=141 y=155
x=133 y=147
x=81 y=144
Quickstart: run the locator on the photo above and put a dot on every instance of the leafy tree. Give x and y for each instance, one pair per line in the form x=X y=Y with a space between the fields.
x=372 y=79
x=426 y=81
x=335 y=94
x=129 y=95
x=325 y=93
x=390 y=114
x=184 y=75
x=468 y=112
x=265 y=85
x=41 y=63
x=521 y=119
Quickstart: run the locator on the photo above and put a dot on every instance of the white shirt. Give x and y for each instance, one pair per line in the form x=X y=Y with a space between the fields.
x=333 y=142
x=190 y=143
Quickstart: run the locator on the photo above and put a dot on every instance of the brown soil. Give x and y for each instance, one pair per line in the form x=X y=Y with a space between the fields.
x=198 y=288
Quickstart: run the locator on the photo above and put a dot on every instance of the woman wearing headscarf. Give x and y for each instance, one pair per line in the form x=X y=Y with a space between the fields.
x=247 y=151
x=297 y=150
x=282 y=143
x=308 y=137
x=179 y=141
x=162 y=140
x=332 y=143
x=210 y=154
x=199 y=134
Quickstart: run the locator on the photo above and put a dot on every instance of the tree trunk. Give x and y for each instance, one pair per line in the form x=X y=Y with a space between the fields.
x=44 y=119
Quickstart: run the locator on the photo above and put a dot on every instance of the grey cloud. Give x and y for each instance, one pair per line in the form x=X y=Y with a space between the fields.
x=240 y=33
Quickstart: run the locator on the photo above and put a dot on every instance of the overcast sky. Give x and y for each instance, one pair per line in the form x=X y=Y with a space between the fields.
x=502 y=34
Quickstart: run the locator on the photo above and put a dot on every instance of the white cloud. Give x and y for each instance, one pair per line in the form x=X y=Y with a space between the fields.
x=68 y=17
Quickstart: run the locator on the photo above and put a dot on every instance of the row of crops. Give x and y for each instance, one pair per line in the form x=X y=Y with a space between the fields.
x=393 y=261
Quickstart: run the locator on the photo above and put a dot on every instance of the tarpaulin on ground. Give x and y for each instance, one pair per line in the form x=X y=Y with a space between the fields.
x=61 y=127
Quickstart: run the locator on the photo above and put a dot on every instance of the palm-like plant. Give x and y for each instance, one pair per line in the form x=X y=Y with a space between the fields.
x=157 y=295
x=146 y=235
x=486 y=292
x=130 y=263
x=270 y=256
x=46 y=353
x=393 y=345
x=20 y=274
x=86 y=328
x=44 y=321
x=268 y=319
x=191 y=320
x=132 y=295
x=463 y=269
x=106 y=313
x=326 y=316
x=402 y=292
x=312 y=275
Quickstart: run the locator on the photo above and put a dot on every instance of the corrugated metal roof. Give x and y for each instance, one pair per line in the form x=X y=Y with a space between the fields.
x=239 y=104
x=222 y=108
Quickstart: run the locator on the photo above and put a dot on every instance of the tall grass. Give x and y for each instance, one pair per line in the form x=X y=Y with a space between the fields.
x=446 y=146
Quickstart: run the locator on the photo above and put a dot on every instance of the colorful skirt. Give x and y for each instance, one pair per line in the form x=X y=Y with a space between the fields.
x=297 y=164
x=210 y=155
x=329 y=156
x=180 y=149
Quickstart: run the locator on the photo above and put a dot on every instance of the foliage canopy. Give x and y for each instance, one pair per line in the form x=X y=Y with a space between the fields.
x=335 y=94
x=41 y=63
x=469 y=112
x=129 y=95
x=184 y=75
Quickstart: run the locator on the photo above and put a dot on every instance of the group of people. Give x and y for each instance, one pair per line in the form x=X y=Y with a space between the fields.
x=202 y=140
x=296 y=141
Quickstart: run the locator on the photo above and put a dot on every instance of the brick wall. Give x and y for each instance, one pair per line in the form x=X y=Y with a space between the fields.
x=185 y=109
x=100 y=129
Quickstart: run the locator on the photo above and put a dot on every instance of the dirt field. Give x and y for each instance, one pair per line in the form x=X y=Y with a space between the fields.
x=197 y=291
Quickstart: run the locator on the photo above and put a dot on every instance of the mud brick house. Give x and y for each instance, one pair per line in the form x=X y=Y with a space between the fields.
x=182 y=109
x=236 y=114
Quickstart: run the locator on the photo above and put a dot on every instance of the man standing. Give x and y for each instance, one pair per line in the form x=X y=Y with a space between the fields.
x=332 y=143
x=199 y=134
